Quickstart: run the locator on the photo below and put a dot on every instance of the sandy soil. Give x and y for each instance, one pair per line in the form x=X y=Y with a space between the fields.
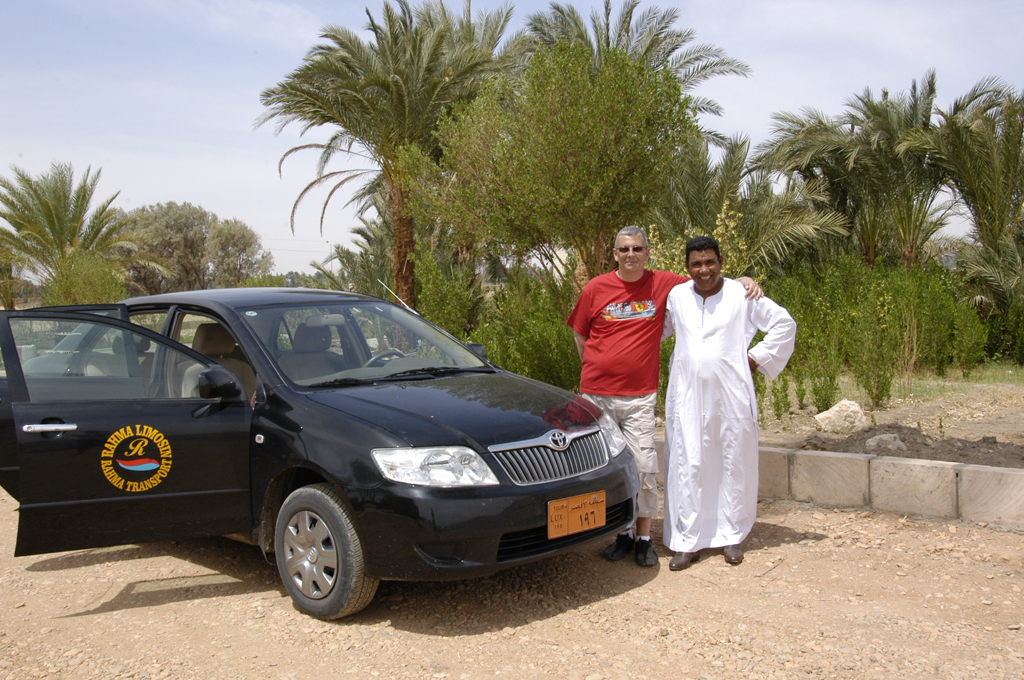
x=822 y=593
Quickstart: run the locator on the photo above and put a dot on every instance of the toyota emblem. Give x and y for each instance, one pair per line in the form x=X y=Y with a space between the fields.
x=558 y=441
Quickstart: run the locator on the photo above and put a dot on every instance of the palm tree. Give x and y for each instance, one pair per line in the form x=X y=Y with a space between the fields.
x=10 y=282
x=758 y=225
x=52 y=228
x=368 y=268
x=980 y=145
x=650 y=38
x=889 y=193
x=384 y=98
x=995 y=273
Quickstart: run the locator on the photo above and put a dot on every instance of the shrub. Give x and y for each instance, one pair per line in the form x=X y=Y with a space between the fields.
x=524 y=330
x=89 y=279
x=882 y=324
x=780 y=396
x=667 y=347
x=824 y=392
x=799 y=386
x=872 y=340
x=969 y=337
x=448 y=296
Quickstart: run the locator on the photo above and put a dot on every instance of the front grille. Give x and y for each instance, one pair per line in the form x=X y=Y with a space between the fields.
x=539 y=463
x=533 y=542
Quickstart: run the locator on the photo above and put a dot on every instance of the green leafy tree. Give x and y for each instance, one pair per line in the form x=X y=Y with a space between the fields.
x=54 y=231
x=556 y=163
x=234 y=253
x=383 y=95
x=176 y=233
x=648 y=37
x=197 y=249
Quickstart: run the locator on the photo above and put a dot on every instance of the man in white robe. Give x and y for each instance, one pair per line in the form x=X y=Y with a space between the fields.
x=711 y=430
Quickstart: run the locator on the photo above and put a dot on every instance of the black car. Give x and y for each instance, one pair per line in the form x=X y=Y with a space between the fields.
x=344 y=433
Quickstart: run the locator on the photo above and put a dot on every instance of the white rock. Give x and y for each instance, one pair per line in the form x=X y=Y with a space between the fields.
x=846 y=416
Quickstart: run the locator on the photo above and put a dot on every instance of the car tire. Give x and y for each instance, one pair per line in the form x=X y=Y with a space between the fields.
x=319 y=556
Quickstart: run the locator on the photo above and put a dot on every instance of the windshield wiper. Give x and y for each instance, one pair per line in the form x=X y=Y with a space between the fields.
x=342 y=382
x=435 y=371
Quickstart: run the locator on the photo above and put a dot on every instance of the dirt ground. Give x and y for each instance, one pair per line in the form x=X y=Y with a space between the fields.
x=980 y=425
x=822 y=593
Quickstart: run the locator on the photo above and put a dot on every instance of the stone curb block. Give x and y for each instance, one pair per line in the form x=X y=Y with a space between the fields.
x=829 y=478
x=989 y=494
x=773 y=473
x=911 y=486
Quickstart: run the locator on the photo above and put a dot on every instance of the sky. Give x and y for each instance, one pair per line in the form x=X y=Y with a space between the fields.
x=162 y=96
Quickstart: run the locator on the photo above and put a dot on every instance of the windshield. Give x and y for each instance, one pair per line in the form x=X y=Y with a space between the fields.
x=355 y=342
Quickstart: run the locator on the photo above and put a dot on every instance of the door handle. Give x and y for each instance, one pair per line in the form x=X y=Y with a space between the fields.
x=50 y=427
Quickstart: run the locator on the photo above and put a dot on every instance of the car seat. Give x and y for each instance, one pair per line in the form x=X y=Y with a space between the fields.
x=311 y=356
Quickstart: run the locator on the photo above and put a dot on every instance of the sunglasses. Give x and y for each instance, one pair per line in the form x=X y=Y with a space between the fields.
x=635 y=249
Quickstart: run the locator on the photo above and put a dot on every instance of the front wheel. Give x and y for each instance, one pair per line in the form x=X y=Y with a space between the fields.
x=319 y=555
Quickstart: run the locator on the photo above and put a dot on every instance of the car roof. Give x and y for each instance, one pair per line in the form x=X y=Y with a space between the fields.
x=235 y=298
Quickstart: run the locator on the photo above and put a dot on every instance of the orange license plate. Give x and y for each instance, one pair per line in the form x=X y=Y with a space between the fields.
x=573 y=515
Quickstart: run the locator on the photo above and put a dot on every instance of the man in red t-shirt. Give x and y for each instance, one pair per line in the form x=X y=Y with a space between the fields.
x=617 y=323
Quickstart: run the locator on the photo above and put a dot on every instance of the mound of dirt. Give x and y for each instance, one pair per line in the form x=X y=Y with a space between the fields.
x=985 y=451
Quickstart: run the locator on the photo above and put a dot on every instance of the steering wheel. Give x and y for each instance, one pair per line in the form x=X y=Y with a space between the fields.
x=377 y=360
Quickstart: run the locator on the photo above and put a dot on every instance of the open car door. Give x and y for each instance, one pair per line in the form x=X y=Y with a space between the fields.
x=122 y=435
x=8 y=445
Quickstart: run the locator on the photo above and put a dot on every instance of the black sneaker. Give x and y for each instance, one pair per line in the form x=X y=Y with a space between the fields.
x=645 y=555
x=620 y=548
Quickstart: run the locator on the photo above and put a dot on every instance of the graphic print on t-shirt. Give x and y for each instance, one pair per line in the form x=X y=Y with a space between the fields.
x=623 y=311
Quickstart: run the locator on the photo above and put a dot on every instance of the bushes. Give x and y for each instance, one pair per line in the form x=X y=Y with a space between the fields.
x=524 y=331
x=1006 y=335
x=815 y=302
x=881 y=324
x=447 y=295
x=87 y=278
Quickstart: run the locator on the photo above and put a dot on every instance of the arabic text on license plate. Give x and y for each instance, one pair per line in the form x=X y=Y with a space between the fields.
x=573 y=515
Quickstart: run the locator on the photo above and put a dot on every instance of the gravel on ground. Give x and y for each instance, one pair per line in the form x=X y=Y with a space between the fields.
x=822 y=593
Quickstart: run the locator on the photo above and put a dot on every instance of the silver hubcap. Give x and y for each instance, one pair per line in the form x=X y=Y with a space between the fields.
x=310 y=555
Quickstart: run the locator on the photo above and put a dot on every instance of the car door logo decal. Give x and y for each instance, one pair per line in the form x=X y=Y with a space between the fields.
x=136 y=458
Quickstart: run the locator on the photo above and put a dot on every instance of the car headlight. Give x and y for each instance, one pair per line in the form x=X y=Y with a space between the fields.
x=434 y=466
x=612 y=435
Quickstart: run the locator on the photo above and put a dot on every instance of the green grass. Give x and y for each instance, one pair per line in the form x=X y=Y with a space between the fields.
x=997 y=372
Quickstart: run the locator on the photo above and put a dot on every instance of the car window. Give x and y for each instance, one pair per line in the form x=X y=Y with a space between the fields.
x=359 y=340
x=97 y=361
x=154 y=321
x=383 y=334
x=210 y=337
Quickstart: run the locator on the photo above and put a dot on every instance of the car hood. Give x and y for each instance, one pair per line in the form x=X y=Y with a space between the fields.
x=474 y=409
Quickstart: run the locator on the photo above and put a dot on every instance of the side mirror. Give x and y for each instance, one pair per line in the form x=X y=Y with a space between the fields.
x=217 y=382
x=478 y=349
